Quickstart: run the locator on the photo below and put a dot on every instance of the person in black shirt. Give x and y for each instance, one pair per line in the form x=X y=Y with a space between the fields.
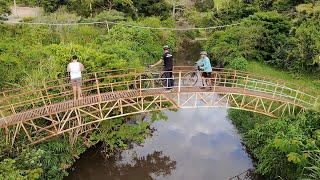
x=167 y=60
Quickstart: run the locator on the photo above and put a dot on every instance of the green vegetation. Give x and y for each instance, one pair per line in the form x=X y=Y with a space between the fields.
x=89 y=8
x=272 y=42
x=306 y=82
x=4 y=9
x=269 y=37
x=279 y=39
x=31 y=54
x=284 y=148
x=239 y=63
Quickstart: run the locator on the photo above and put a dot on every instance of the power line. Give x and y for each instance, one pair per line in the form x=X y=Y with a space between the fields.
x=124 y=24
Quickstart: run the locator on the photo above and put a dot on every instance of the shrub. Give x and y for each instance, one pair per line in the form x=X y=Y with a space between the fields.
x=239 y=63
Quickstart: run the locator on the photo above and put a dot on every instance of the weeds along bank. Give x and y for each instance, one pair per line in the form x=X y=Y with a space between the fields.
x=31 y=54
x=287 y=148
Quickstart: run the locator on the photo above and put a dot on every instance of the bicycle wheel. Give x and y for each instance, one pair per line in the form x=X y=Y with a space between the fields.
x=216 y=79
x=163 y=81
x=145 y=81
x=190 y=79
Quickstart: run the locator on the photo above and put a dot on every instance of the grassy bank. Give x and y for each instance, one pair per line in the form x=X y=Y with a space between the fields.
x=308 y=83
x=288 y=147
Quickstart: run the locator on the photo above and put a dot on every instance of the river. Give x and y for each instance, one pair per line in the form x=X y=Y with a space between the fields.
x=192 y=144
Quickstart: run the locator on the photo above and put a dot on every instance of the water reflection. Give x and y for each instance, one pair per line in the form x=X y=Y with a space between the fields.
x=137 y=168
x=193 y=144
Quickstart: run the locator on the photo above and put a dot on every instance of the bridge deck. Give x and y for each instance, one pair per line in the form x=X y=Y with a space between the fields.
x=112 y=96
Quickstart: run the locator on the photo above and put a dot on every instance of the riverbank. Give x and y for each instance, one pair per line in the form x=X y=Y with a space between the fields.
x=307 y=82
x=286 y=147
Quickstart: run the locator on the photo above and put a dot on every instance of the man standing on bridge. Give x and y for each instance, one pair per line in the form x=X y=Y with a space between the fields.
x=75 y=68
x=167 y=60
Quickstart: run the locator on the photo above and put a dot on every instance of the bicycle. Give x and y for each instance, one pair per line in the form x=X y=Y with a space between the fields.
x=191 y=78
x=146 y=79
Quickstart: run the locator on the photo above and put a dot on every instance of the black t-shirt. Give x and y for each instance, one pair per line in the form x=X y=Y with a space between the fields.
x=168 y=61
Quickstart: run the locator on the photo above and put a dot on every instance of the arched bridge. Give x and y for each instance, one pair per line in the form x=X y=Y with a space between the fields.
x=33 y=114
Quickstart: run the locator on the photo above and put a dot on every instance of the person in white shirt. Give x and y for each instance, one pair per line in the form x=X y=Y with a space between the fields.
x=75 y=68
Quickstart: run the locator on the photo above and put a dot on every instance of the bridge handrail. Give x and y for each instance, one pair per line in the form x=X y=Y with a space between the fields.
x=278 y=80
x=135 y=71
x=44 y=88
x=47 y=95
x=66 y=79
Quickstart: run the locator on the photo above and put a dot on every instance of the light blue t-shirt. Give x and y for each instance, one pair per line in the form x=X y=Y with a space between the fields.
x=205 y=64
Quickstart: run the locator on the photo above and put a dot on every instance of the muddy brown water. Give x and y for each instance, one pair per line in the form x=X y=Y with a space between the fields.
x=192 y=144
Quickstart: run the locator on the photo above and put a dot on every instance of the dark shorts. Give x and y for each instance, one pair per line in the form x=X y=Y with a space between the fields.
x=76 y=81
x=206 y=74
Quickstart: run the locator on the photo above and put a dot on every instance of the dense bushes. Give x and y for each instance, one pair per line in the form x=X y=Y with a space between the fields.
x=285 y=147
x=4 y=9
x=269 y=37
x=48 y=160
x=239 y=63
x=30 y=54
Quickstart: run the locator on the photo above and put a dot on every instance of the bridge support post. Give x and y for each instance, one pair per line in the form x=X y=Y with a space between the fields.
x=179 y=88
x=215 y=81
x=234 y=84
x=140 y=85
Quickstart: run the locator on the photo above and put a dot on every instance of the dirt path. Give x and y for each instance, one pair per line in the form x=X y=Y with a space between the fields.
x=23 y=12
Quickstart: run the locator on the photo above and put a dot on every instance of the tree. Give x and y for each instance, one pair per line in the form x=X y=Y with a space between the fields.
x=307 y=38
x=4 y=9
x=205 y=5
x=52 y=5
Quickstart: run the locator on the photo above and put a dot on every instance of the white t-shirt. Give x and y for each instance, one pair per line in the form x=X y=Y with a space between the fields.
x=75 y=70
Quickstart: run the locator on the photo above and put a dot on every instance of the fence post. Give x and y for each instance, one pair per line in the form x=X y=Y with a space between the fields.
x=140 y=84
x=97 y=84
x=215 y=81
x=234 y=79
x=275 y=90
x=246 y=82
x=108 y=27
x=179 y=86
x=296 y=96
x=9 y=103
x=47 y=93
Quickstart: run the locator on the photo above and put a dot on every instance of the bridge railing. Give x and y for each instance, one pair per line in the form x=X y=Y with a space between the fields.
x=238 y=80
x=59 y=90
x=254 y=76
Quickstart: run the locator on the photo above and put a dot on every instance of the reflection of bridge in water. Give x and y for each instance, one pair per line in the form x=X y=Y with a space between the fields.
x=35 y=114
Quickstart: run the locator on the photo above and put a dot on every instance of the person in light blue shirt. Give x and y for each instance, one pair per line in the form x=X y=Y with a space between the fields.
x=205 y=65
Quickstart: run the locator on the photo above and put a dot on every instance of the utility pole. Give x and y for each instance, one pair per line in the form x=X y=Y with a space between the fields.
x=173 y=9
x=15 y=8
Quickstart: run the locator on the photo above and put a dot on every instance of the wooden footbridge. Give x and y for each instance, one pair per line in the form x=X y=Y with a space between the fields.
x=33 y=114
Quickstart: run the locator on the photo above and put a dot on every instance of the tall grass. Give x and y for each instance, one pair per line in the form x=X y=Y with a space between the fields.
x=307 y=83
x=313 y=171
